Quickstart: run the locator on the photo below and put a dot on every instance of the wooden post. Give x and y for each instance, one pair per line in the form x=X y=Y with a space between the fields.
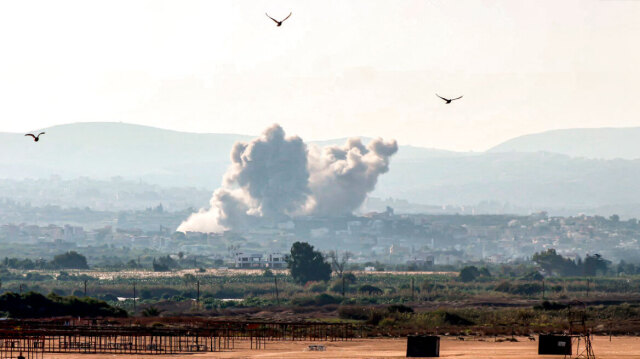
x=275 y=280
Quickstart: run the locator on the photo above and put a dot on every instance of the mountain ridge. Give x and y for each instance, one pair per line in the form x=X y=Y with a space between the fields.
x=532 y=180
x=604 y=143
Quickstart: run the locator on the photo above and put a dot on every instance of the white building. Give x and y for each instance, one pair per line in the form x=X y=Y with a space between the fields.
x=258 y=260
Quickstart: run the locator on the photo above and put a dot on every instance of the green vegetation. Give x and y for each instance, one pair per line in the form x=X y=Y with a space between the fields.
x=164 y=264
x=554 y=263
x=472 y=273
x=307 y=264
x=68 y=260
x=36 y=305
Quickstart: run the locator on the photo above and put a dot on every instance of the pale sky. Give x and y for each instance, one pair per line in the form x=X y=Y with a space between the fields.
x=334 y=69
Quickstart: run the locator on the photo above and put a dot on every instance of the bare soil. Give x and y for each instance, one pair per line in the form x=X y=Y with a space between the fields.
x=617 y=348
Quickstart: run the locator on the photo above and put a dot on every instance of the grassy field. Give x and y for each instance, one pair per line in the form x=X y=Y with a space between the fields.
x=387 y=303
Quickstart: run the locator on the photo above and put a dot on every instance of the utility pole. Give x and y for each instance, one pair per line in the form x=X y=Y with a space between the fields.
x=275 y=280
x=134 y=299
x=587 y=287
x=412 y=289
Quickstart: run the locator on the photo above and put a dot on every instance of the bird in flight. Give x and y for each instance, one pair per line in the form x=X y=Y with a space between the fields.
x=279 y=23
x=35 y=138
x=448 y=101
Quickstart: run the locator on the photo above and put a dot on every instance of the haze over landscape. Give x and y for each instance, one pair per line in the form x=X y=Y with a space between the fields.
x=339 y=178
x=565 y=172
x=337 y=69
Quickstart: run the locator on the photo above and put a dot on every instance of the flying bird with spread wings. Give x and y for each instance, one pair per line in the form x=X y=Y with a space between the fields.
x=448 y=101
x=279 y=23
x=35 y=138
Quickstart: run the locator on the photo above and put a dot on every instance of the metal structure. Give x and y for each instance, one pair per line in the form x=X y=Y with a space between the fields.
x=578 y=330
x=21 y=347
x=33 y=338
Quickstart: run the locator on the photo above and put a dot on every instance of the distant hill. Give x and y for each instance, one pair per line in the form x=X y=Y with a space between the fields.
x=513 y=177
x=605 y=143
x=104 y=150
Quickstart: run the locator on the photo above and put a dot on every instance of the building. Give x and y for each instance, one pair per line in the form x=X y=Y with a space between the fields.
x=257 y=260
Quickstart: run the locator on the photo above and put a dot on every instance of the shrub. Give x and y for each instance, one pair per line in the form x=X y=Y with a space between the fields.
x=370 y=289
x=336 y=286
x=455 y=319
x=534 y=275
x=35 y=305
x=354 y=312
x=349 y=278
x=303 y=301
x=145 y=294
x=399 y=308
x=546 y=305
x=325 y=299
x=151 y=311
x=316 y=287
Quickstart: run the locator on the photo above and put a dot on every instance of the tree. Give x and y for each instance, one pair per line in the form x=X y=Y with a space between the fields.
x=163 y=264
x=469 y=274
x=70 y=260
x=338 y=263
x=151 y=311
x=306 y=264
x=552 y=262
x=370 y=289
x=594 y=264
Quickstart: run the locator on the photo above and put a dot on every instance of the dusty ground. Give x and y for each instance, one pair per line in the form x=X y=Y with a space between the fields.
x=618 y=348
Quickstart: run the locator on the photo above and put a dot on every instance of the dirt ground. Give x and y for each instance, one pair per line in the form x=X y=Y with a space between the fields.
x=618 y=348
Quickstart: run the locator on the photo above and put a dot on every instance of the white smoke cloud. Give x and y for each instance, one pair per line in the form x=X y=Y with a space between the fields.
x=274 y=177
x=341 y=176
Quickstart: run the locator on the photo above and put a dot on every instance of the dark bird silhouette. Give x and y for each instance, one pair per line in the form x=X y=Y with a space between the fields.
x=35 y=138
x=279 y=23
x=448 y=101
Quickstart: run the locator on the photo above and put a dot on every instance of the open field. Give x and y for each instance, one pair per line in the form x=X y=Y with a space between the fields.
x=617 y=348
x=142 y=274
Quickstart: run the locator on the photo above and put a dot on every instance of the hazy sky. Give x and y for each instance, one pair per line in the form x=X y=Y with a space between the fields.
x=334 y=69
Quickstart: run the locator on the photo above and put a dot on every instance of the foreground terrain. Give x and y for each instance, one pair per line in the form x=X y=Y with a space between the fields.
x=617 y=348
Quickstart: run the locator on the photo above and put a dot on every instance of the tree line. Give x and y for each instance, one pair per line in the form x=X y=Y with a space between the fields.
x=36 y=305
x=67 y=260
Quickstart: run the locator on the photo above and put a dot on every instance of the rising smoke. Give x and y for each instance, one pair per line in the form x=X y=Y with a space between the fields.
x=274 y=177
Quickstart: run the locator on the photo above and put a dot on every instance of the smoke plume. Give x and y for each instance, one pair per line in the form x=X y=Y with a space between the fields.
x=274 y=177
